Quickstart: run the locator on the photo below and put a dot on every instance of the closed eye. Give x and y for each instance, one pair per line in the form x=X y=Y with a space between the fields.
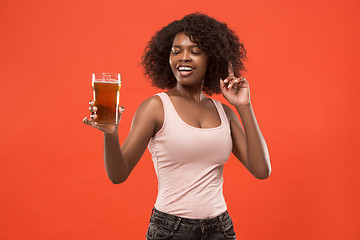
x=175 y=51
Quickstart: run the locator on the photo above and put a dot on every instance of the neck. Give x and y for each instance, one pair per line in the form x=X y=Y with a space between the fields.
x=194 y=93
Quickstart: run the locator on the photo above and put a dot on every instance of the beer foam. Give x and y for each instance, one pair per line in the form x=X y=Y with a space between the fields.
x=114 y=81
x=106 y=78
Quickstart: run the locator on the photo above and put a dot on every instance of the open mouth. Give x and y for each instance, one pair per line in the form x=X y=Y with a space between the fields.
x=185 y=70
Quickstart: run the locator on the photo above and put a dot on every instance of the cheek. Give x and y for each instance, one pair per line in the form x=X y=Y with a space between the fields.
x=205 y=63
x=171 y=62
x=172 y=67
x=205 y=66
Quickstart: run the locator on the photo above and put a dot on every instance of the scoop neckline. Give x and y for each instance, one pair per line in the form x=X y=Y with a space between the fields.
x=197 y=128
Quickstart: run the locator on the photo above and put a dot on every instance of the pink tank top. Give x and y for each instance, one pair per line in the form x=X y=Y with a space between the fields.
x=189 y=164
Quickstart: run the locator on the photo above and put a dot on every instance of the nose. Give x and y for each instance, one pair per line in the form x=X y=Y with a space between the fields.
x=185 y=56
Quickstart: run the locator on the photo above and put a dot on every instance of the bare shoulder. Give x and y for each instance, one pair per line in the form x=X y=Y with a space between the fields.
x=150 y=113
x=229 y=112
x=151 y=104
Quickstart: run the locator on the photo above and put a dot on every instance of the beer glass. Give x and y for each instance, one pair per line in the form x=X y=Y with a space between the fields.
x=106 y=91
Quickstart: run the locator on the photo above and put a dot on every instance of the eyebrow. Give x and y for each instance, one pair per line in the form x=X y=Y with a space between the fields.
x=192 y=46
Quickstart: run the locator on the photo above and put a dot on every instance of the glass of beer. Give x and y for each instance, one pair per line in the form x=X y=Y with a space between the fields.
x=106 y=91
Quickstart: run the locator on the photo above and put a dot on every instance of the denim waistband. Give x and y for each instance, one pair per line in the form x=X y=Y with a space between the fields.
x=191 y=224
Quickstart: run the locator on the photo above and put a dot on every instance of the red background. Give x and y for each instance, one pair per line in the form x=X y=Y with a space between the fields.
x=303 y=69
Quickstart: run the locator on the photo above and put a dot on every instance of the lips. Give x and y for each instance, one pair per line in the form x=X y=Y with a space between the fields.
x=185 y=70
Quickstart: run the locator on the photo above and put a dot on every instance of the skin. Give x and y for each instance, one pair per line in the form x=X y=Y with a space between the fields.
x=195 y=109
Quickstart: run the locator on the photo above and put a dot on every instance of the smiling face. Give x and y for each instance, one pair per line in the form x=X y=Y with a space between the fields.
x=187 y=61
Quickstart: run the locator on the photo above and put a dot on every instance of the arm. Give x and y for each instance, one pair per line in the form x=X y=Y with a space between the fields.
x=249 y=145
x=121 y=160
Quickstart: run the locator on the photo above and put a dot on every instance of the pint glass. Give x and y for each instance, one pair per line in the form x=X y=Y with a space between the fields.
x=106 y=91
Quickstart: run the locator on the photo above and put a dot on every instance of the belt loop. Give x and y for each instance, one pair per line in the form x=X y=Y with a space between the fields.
x=177 y=224
x=221 y=222
x=220 y=217
x=152 y=211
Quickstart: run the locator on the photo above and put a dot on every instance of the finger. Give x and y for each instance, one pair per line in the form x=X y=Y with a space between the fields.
x=88 y=122
x=230 y=70
x=227 y=82
x=236 y=82
x=222 y=84
x=239 y=83
x=121 y=109
x=93 y=117
x=240 y=80
x=93 y=109
x=231 y=83
x=243 y=81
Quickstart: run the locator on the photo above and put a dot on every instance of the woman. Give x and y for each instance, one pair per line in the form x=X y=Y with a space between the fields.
x=189 y=135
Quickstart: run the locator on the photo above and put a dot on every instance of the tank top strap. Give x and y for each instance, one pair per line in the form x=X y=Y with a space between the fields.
x=170 y=114
x=163 y=96
x=221 y=111
x=165 y=101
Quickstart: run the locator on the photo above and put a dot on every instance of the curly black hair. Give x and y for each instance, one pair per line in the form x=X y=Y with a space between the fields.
x=220 y=43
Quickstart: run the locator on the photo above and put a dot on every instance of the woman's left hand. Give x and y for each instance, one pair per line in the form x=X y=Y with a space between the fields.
x=235 y=90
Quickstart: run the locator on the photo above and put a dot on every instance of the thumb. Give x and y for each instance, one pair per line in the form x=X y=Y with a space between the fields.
x=222 y=86
x=121 y=110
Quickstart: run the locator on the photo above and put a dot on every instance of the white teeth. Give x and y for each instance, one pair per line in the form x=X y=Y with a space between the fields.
x=185 y=68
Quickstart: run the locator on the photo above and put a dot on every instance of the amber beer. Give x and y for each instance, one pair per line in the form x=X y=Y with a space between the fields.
x=106 y=90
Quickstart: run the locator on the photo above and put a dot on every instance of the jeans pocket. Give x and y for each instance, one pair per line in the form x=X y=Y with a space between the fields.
x=230 y=234
x=229 y=229
x=158 y=232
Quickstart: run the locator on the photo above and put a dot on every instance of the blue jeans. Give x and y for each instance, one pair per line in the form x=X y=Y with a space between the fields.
x=164 y=226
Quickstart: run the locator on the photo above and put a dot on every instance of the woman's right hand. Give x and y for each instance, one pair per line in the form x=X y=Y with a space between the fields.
x=106 y=128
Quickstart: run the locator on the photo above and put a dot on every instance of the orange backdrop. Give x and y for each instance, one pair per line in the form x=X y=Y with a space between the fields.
x=303 y=69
